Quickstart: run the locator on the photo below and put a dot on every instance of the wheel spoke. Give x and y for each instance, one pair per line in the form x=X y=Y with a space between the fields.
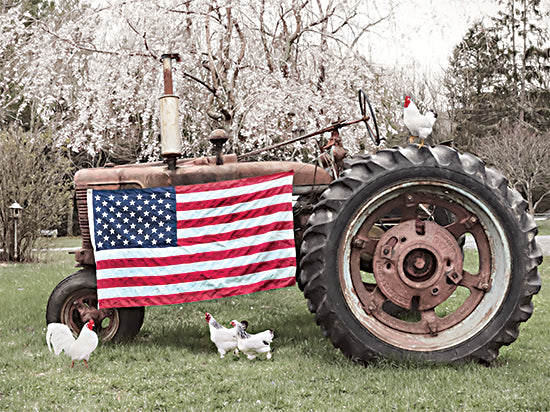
x=408 y=208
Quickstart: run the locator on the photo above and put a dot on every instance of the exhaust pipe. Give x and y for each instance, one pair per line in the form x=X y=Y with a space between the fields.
x=169 y=115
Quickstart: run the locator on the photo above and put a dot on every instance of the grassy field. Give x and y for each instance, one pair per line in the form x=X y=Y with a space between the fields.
x=172 y=365
x=544 y=227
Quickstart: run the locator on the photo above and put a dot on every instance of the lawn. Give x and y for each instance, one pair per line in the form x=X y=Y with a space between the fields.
x=172 y=365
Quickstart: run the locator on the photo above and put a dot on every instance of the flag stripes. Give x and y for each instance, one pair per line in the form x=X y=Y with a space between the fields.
x=232 y=238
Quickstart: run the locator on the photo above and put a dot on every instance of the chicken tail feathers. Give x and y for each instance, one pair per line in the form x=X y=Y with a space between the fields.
x=59 y=337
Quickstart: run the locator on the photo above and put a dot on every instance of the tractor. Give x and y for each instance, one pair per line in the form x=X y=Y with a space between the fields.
x=410 y=253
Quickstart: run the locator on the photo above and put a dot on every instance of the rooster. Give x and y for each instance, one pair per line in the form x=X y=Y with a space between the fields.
x=225 y=339
x=252 y=345
x=61 y=338
x=419 y=125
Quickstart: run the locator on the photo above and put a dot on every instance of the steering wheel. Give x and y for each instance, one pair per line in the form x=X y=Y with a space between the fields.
x=363 y=103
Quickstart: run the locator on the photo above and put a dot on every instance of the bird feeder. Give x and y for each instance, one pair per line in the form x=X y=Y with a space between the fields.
x=15 y=212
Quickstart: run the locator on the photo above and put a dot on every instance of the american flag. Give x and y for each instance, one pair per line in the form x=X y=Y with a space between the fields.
x=169 y=245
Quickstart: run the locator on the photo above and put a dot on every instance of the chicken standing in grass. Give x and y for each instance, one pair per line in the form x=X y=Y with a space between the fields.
x=225 y=339
x=419 y=125
x=253 y=344
x=61 y=338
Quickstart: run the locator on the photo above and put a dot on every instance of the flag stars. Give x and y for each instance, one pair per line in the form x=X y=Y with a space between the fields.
x=133 y=218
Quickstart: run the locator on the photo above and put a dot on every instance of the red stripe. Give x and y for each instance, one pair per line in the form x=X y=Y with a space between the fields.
x=236 y=234
x=232 y=217
x=229 y=184
x=232 y=200
x=196 y=296
x=194 y=258
x=196 y=276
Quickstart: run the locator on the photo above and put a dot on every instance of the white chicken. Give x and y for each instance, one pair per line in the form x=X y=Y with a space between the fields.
x=61 y=338
x=419 y=125
x=253 y=344
x=224 y=338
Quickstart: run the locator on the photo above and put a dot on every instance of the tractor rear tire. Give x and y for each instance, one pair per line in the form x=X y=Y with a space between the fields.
x=401 y=290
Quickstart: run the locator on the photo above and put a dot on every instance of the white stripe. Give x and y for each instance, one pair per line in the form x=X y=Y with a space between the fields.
x=196 y=266
x=237 y=191
x=199 y=286
x=91 y=218
x=130 y=253
x=238 y=207
x=238 y=224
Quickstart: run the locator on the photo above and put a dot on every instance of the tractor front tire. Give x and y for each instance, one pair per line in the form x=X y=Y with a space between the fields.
x=74 y=300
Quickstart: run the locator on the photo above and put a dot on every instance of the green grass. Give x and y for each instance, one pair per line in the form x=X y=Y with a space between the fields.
x=172 y=365
x=544 y=227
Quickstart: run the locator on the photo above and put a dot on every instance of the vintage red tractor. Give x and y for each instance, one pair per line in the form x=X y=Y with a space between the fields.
x=380 y=244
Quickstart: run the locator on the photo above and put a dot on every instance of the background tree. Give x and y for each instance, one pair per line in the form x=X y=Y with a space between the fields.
x=261 y=70
x=499 y=73
x=523 y=155
x=33 y=172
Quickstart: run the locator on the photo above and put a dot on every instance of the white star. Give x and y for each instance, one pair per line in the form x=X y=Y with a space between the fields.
x=97 y=197
x=153 y=242
x=118 y=203
x=111 y=197
x=125 y=242
x=139 y=196
x=100 y=244
x=167 y=194
x=125 y=197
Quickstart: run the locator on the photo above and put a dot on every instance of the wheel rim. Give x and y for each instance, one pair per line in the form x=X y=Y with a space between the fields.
x=406 y=284
x=81 y=306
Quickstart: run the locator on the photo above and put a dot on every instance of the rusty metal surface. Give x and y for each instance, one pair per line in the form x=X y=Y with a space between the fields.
x=417 y=265
x=188 y=171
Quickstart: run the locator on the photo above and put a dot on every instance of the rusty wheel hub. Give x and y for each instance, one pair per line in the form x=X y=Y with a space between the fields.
x=417 y=264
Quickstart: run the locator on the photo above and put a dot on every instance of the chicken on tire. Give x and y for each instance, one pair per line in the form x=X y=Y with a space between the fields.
x=387 y=279
x=73 y=302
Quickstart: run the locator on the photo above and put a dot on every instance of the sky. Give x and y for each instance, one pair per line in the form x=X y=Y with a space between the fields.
x=424 y=33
